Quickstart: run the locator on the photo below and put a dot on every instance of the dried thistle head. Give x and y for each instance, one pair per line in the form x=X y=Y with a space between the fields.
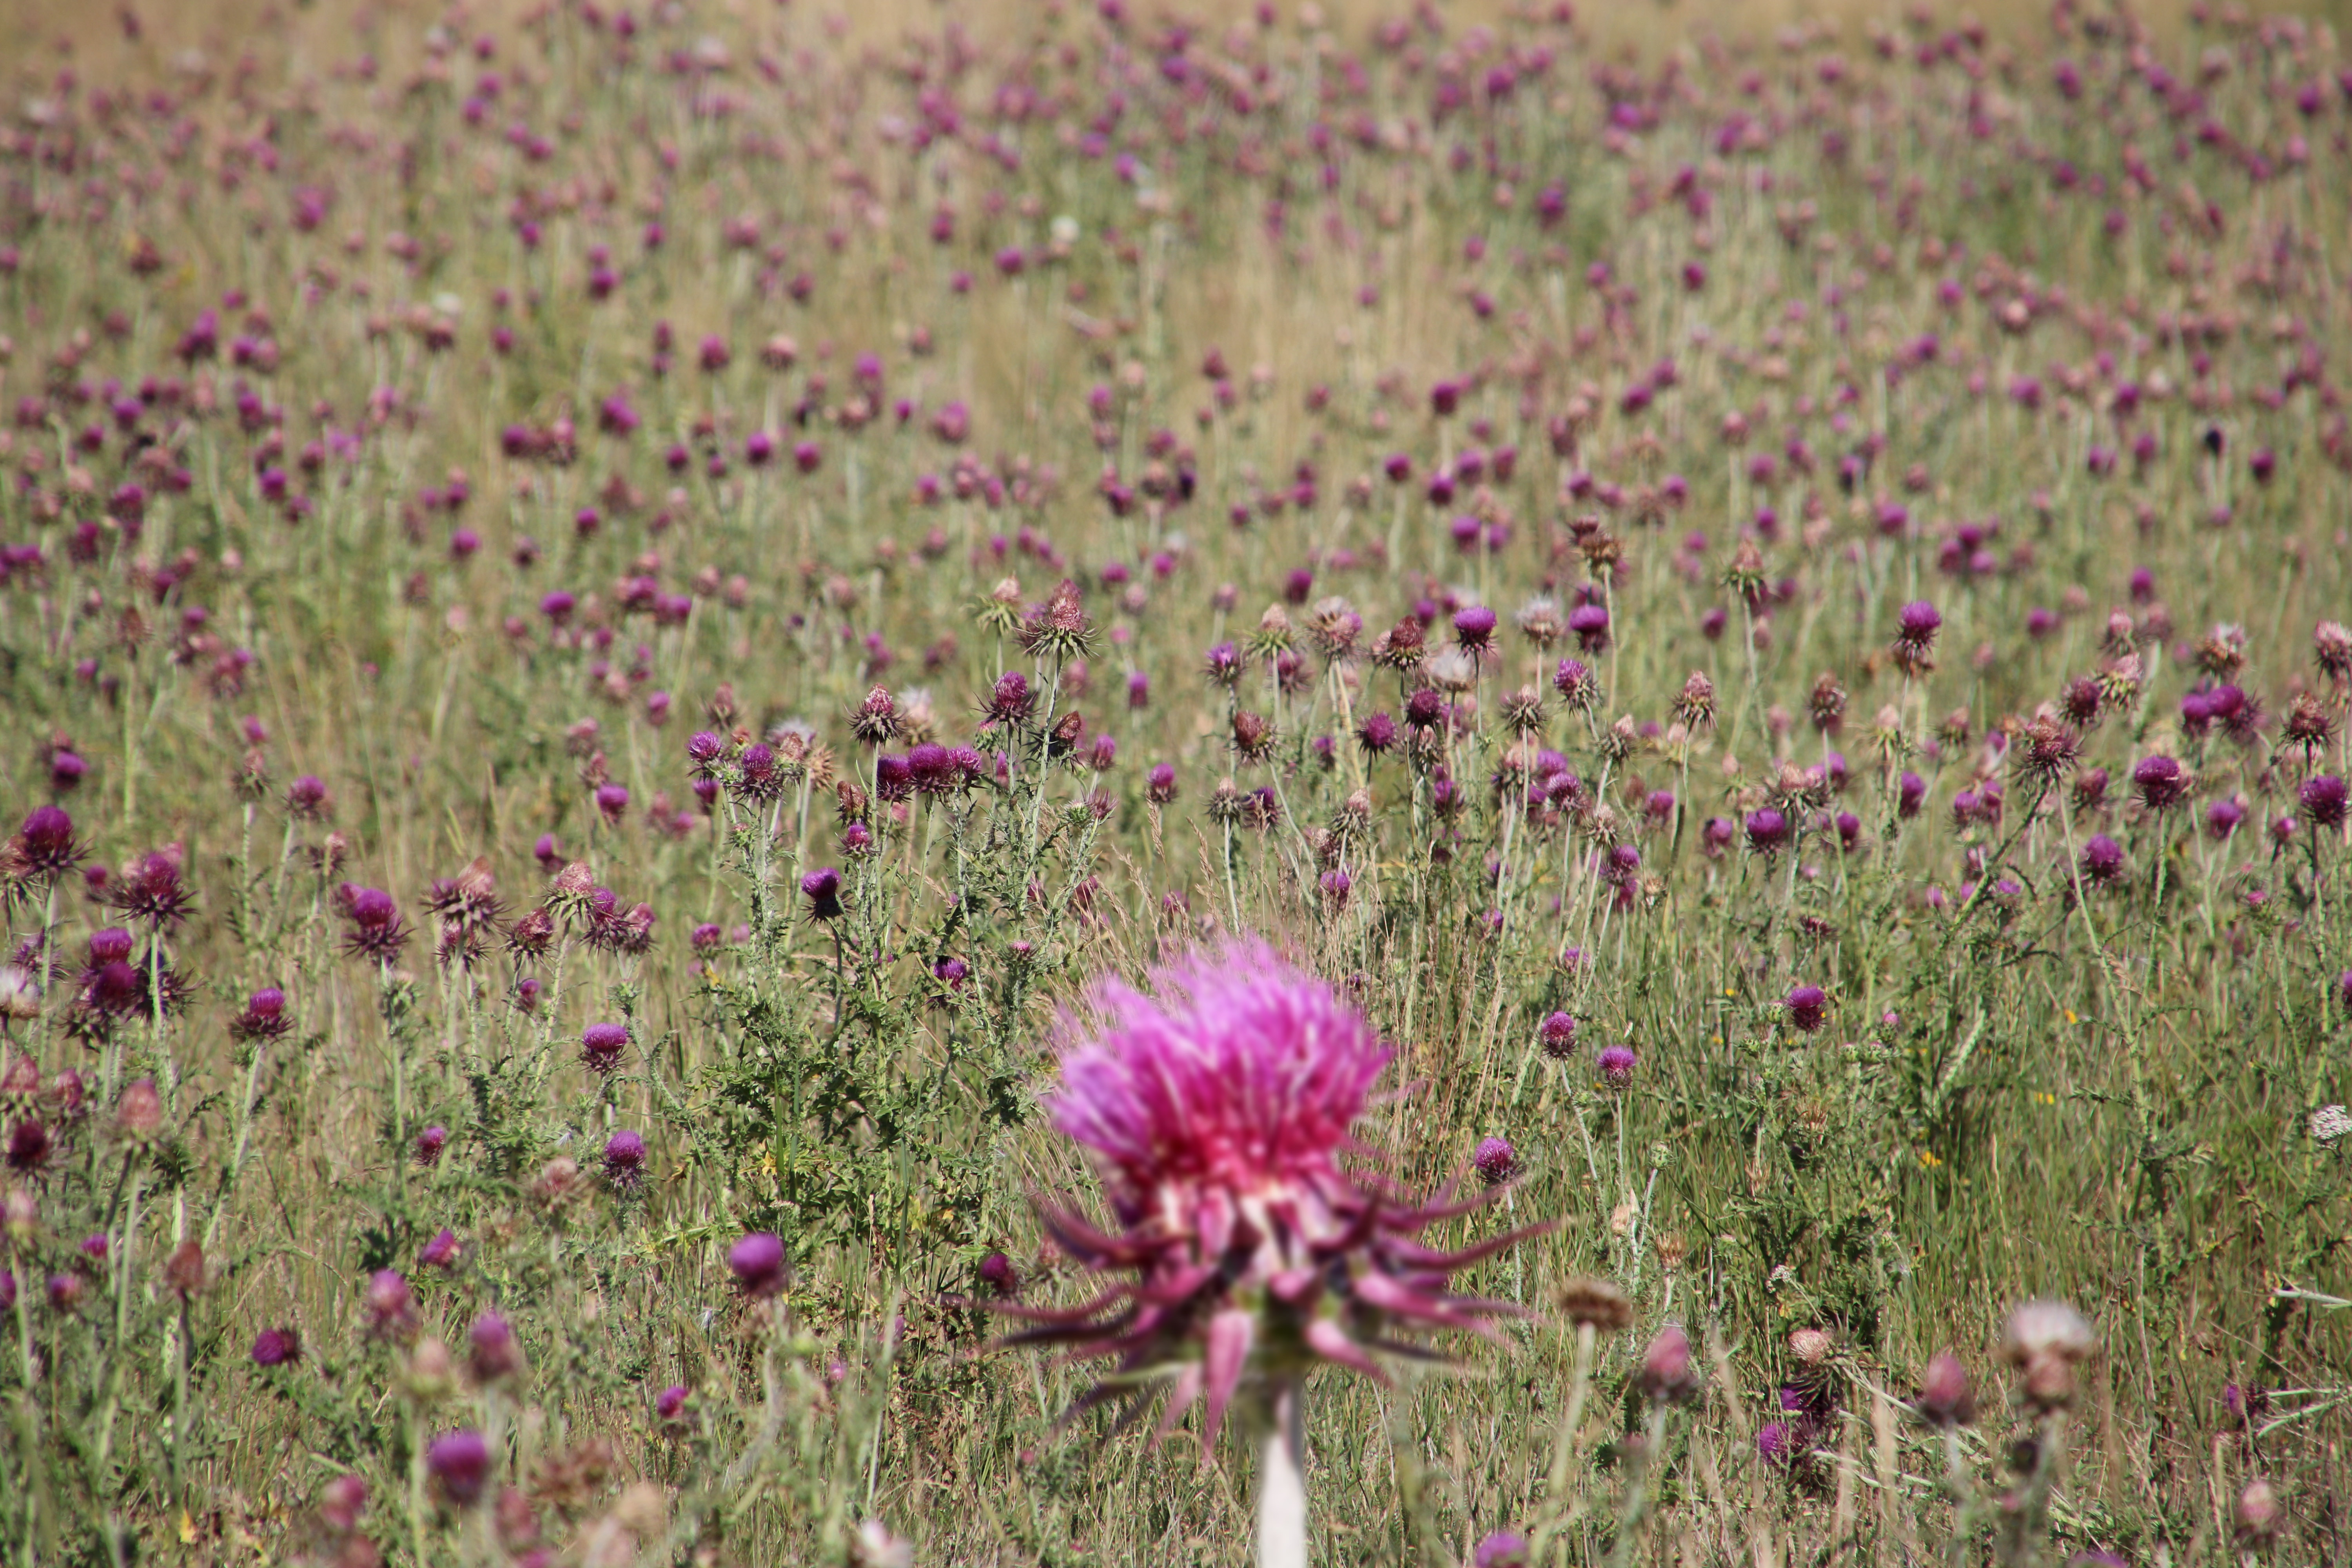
x=1597 y=1304
x=1696 y=705
x=1334 y=625
x=1827 y=704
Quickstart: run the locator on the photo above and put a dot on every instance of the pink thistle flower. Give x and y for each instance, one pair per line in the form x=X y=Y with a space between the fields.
x=1219 y=1110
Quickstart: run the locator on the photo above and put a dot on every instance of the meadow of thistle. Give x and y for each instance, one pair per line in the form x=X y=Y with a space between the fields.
x=609 y=613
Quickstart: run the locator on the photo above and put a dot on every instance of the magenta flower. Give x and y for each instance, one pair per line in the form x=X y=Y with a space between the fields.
x=1218 y=1109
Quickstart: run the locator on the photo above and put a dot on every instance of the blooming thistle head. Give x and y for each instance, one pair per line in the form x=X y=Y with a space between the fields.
x=1495 y=1161
x=601 y=1045
x=1807 y=1008
x=44 y=848
x=1218 y=1109
x=2324 y=800
x=625 y=1160
x=264 y=1017
x=1616 y=1063
x=1915 y=626
x=2102 y=860
x=377 y=931
x=2161 y=782
x=823 y=889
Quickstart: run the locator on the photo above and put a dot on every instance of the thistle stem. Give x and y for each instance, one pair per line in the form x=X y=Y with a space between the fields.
x=1282 y=1488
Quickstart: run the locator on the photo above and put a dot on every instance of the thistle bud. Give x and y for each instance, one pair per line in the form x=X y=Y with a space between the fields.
x=1669 y=1374
x=139 y=1114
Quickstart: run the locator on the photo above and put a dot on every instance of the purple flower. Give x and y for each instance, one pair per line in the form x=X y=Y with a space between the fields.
x=2324 y=800
x=1775 y=1444
x=1807 y=1008
x=2161 y=782
x=1767 y=830
x=1502 y=1549
x=823 y=890
x=601 y=1045
x=441 y=1252
x=276 y=1347
x=494 y=1356
x=390 y=1305
x=670 y=1406
x=2102 y=861
x=1617 y=1064
x=758 y=1264
x=1668 y=1373
x=45 y=846
x=1558 y=1036
x=1496 y=1160
x=996 y=1272
x=459 y=1466
x=625 y=1160
x=1946 y=1399
x=1219 y=1107
x=1474 y=627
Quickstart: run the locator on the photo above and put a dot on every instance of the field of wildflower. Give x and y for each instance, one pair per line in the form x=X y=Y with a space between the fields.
x=1046 y=784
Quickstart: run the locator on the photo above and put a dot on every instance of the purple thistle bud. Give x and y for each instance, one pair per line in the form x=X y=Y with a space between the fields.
x=1946 y=1399
x=1011 y=701
x=1775 y=1444
x=459 y=1467
x=670 y=1406
x=29 y=1146
x=45 y=846
x=1474 y=627
x=996 y=1272
x=625 y=1160
x=1668 y=1375
x=1767 y=830
x=601 y=1045
x=1807 y=1008
x=1496 y=1160
x=429 y=1144
x=1502 y=1549
x=2161 y=782
x=441 y=1252
x=822 y=888
x=390 y=1305
x=1917 y=625
x=494 y=1355
x=1617 y=1064
x=1160 y=787
x=2102 y=860
x=2324 y=800
x=1557 y=1035
x=1591 y=624
x=757 y=1262
x=276 y=1347
x=1910 y=794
